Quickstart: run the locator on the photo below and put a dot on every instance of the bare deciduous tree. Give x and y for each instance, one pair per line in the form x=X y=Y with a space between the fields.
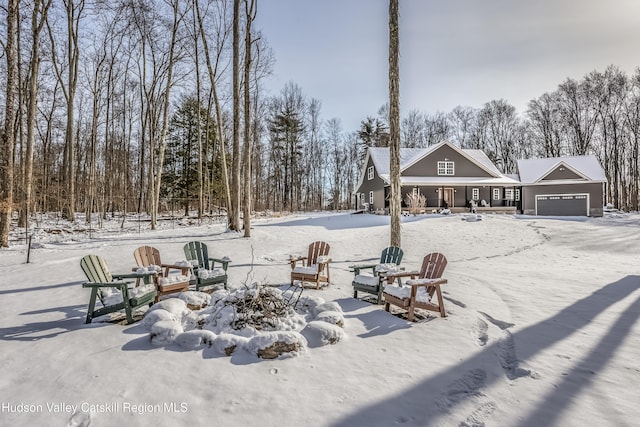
x=73 y=13
x=7 y=139
x=38 y=19
x=250 y=16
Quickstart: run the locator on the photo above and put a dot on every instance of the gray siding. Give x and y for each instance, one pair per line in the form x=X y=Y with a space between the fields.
x=428 y=166
x=376 y=185
x=594 y=189
x=461 y=196
x=562 y=173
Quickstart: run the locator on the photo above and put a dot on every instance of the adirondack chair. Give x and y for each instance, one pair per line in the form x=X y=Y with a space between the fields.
x=373 y=283
x=204 y=266
x=101 y=281
x=314 y=267
x=147 y=256
x=418 y=292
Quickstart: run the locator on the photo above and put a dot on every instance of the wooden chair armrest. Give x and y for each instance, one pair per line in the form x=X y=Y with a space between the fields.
x=399 y=274
x=177 y=267
x=224 y=261
x=133 y=275
x=425 y=282
x=294 y=260
x=184 y=269
x=148 y=277
x=324 y=261
x=106 y=285
x=357 y=267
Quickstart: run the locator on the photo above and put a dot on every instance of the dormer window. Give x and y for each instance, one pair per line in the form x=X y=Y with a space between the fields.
x=370 y=173
x=445 y=167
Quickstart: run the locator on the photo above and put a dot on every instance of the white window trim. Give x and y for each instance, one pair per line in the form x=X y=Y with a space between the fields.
x=446 y=167
x=370 y=173
x=517 y=194
x=496 y=194
x=509 y=194
x=371 y=198
x=475 y=193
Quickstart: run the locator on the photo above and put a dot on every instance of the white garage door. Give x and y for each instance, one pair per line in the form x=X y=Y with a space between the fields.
x=562 y=204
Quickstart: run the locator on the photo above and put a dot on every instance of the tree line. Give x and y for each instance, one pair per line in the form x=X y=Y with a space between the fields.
x=148 y=106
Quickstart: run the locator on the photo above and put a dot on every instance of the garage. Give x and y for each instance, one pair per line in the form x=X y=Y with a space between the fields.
x=562 y=204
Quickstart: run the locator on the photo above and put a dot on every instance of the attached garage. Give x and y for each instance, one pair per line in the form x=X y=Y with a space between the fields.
x=562 y=204
x=562 y=186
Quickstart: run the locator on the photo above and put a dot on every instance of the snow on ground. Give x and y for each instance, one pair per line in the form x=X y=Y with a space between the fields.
x=542 y=330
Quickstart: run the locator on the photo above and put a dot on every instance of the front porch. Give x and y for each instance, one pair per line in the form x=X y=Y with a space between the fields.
x=458 y=210
x=487 y=209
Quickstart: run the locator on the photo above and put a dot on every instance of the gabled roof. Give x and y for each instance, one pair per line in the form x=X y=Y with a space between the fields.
x=410 y=156
x=534 y=170
x=380 y=157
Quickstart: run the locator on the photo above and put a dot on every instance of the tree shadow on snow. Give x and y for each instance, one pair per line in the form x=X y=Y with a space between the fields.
x=428 y=402
x=34 y=331
x=376 y=322
x=40 y=288
x=345 y=221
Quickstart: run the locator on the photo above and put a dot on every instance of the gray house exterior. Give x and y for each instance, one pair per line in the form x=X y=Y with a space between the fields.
x=446 y=175
x=451 y=177
x=562 y=186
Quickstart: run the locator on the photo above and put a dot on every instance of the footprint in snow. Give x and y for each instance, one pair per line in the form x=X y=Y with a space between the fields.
x=466 y=387
x=506 y=349
x=479 y=331
x=79 y=419
x=479 y=415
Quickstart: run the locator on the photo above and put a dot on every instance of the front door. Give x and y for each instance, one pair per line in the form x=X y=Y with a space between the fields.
x=446 y=197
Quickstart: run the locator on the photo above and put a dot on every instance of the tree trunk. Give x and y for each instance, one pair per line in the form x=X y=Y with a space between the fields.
x=216 y=100
x=201 y=159
x=394 y=123
x=37 y=22
x=165 y=116
x=250 y=11
x=234 y=218
x=8 y=139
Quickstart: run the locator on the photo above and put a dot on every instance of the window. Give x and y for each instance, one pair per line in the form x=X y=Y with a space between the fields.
x=371 y=198
x=475 y=193
x=445 y=168
x=508 y=193
x=370 y=173
x=496 y=194
x=517 y=195
x=415 y=192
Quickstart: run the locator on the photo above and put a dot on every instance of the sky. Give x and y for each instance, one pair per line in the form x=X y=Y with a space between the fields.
x=542 y=327
x=455 y=52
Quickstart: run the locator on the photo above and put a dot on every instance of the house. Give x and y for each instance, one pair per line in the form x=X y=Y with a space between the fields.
x=450 y=177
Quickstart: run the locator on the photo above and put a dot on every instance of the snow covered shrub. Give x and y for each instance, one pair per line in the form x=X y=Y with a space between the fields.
x=165 y=331
x=319 y=333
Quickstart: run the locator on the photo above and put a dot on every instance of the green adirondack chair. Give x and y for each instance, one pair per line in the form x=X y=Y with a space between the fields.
x=197 y=251
x=97 y=272
x=372 y=283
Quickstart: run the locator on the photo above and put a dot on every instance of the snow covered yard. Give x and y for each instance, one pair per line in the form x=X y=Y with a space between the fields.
x=542 y=330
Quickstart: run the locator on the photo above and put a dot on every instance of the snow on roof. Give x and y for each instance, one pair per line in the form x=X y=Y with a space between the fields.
x=408 y=156
x=532 y=170
x=447 y=180
x=382 y=158
x=482 y=158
